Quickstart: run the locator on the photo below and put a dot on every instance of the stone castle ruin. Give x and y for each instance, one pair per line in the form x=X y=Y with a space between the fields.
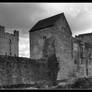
x=9 y=43
x=53 y=30
x=54 y=53
x=83 y=54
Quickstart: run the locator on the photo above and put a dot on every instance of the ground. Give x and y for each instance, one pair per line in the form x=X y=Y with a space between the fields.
x=80 y=83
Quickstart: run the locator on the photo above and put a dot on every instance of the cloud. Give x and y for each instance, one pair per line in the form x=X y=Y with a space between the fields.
x=24 y=47
x=78 y=15
x=23 y=16
x=81 y=22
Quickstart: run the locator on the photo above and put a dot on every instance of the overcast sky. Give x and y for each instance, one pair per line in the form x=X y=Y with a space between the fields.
x=23 y=16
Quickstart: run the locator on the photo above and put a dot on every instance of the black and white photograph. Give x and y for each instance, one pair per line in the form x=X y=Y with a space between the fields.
x=45 y=46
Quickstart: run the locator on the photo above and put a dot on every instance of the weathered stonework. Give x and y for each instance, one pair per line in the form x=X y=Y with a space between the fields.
x=18 y=70
x=61 y=34
x=85 y=54
x=9 y=43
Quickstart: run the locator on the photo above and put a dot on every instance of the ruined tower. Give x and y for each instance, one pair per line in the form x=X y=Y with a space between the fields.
x=85 y=53
x=57 y=30
x=9 y=43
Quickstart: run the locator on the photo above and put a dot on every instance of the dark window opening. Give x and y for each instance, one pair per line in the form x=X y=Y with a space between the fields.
x=15 y=55
x=10 y=53
x=81 y=52
x=44 y=37
x=10 y=41
x=10 y=46
x=75 y=61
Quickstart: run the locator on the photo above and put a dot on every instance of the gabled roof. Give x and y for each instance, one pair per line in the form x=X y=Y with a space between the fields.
x=46 y=22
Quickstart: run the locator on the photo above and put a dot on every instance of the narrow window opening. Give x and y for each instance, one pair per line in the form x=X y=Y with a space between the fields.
x=44 y=37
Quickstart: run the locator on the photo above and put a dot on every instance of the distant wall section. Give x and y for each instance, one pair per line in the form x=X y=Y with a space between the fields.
x=9 y=43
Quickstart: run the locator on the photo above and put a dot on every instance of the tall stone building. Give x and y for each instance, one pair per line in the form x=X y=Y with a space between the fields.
x=9 y=43
x=53 y=31
x=84 y=54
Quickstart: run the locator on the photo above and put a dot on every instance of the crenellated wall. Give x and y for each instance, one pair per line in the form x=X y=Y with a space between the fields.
x=9 y=43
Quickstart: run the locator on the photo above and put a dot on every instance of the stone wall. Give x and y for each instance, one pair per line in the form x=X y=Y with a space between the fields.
x=17 y=70
x=63 y=46
x=87 y=38
x=83 y=55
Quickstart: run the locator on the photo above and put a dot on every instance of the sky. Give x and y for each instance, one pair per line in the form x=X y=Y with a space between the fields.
x=23 y=16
